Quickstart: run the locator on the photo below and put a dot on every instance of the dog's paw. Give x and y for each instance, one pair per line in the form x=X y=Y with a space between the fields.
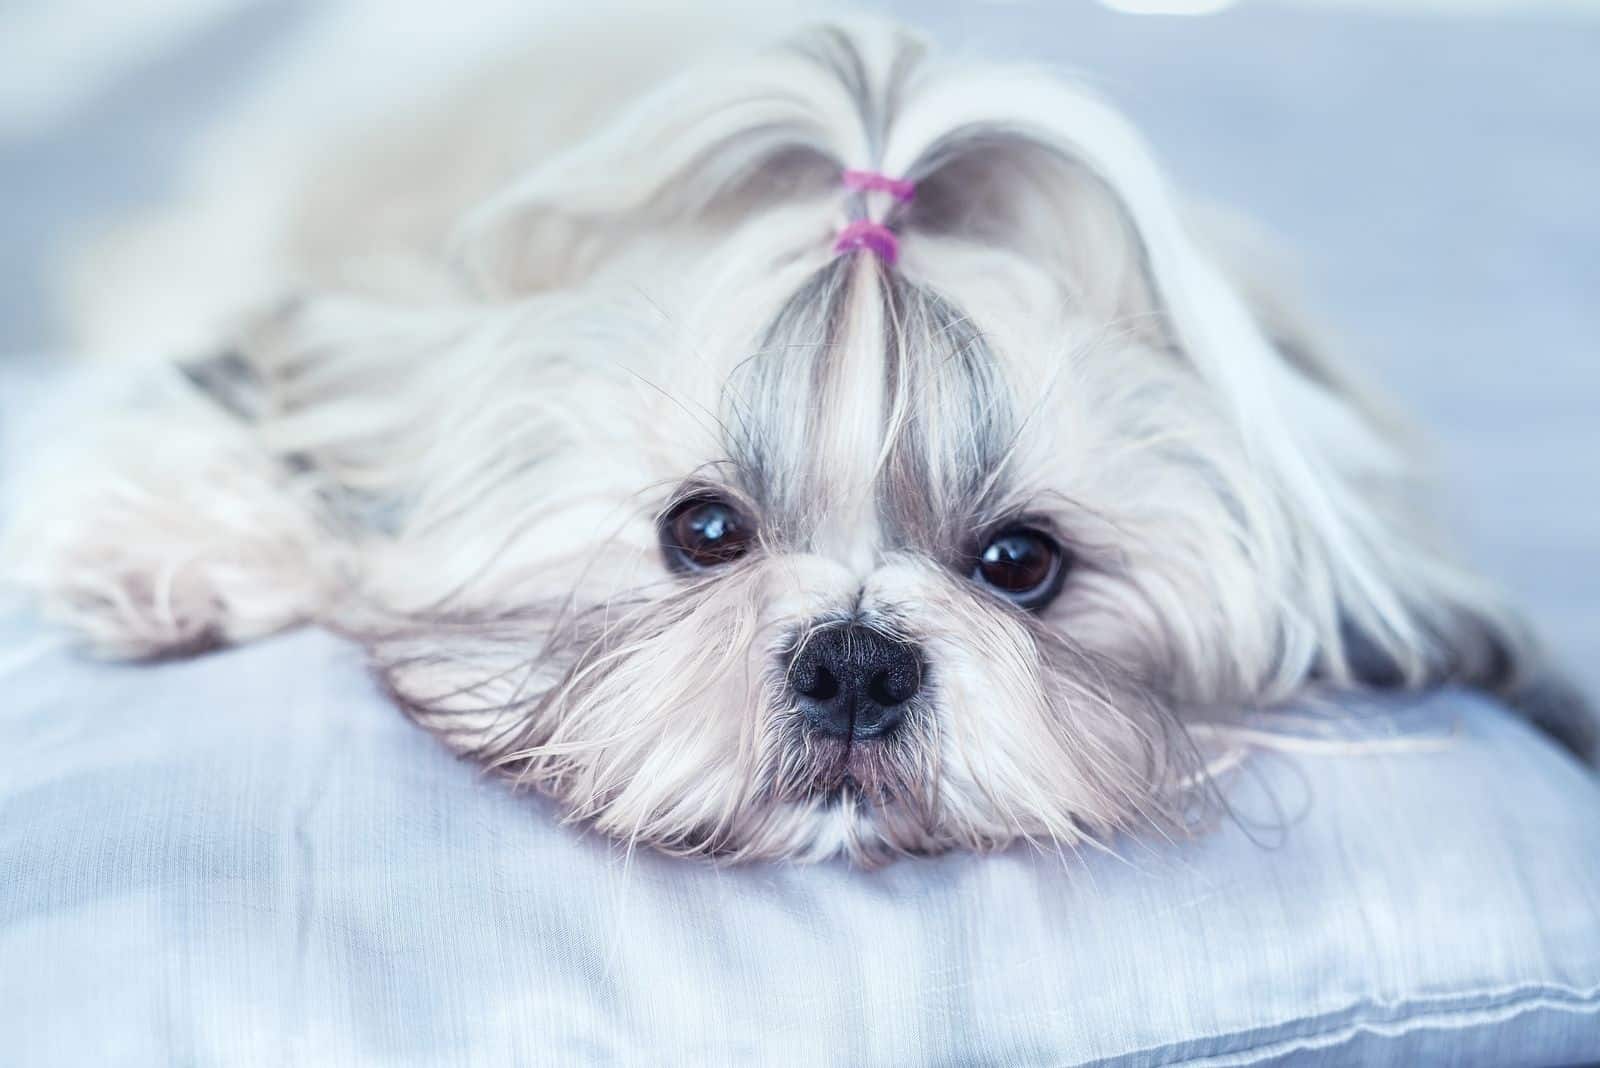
x=167 y=536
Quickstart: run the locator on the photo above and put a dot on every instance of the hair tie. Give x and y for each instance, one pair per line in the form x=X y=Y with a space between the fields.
x=902 y=189
x=876 y=238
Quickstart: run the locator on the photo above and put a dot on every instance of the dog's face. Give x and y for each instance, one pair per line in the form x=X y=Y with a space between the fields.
x=826 y=562
x=737 y=545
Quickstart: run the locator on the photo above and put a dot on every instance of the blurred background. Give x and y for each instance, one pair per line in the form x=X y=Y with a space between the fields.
x=1433 y=166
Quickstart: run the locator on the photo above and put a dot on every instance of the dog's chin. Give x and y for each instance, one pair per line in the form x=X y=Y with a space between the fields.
x=857 y=800
x=839 y=823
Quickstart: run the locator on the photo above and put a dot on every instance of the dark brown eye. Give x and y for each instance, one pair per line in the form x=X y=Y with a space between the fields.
x=1023 y=565
x=705 y=532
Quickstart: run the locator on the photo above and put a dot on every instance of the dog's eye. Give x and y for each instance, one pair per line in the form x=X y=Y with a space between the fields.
x=1023 y=565
x=705 y=532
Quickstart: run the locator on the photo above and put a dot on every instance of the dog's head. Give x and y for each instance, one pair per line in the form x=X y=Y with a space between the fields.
x=737 y=543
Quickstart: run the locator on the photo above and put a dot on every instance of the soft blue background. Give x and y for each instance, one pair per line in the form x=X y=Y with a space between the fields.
x=252 y=859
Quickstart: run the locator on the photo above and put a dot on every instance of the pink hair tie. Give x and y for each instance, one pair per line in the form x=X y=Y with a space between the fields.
x=901 y=189
x=876 y=238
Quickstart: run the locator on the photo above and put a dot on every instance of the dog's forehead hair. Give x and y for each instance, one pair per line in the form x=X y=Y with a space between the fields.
x=872 y=416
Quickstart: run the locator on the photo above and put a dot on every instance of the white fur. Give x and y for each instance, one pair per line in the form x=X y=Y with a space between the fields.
x=465 y=472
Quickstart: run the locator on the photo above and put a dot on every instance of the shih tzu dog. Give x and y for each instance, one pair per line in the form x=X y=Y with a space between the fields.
x=824 y=448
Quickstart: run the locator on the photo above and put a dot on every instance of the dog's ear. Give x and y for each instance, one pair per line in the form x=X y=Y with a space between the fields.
x=1459 y=631
x=1455 y=627
x=339 y=384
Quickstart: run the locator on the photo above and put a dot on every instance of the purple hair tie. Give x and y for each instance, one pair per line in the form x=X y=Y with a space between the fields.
x=876 y=238
x=902 y=189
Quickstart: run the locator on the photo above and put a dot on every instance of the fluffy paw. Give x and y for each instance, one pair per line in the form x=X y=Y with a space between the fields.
x=171 y=533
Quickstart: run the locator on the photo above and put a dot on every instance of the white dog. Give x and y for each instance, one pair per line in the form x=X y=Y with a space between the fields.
x=823 y=448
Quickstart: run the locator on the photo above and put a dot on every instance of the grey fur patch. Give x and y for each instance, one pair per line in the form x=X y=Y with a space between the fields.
x=943 y=430
x=945 y=465
x=232 y=381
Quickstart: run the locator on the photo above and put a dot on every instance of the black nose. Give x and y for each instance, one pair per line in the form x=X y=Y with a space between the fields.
x=853 y=682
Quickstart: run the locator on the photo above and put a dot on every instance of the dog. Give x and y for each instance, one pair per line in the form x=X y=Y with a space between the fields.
x=828 y=448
